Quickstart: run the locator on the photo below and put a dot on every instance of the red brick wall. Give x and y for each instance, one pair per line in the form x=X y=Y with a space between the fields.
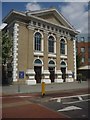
x=86 y=54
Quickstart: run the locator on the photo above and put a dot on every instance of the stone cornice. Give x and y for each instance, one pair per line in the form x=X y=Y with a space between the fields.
x=27 y=18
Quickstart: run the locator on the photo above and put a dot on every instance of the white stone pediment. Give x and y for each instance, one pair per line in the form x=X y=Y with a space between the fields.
x=53 y=16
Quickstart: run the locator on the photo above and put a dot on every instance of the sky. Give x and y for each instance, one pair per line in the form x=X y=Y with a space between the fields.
x=75 y=12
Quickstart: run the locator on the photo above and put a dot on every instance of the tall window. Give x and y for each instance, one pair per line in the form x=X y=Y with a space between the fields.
x=38 y=38
x=83 y=59
x=51 y=44
x=62 y=46
x=82 y=39
x=83 y=49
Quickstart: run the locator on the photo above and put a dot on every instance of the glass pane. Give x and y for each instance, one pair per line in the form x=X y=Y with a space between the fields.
x=38 y=61
x=51 y=44
x=38 y=41
x=62 y=47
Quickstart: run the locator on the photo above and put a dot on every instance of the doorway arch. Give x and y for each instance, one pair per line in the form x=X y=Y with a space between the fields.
x=51 y=67
x=63 y=70
x=38 y=70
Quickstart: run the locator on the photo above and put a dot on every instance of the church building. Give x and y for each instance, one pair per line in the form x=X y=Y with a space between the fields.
x=44 y=47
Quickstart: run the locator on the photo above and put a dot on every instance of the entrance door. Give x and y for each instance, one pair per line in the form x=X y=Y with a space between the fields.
x=63 y=70
x=52 y=73
x=37 y=70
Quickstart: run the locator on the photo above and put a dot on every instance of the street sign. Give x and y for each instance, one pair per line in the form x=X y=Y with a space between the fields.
x=21 y=74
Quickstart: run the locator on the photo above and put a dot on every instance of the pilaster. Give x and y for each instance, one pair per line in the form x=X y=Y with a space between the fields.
x=30 y=71
x=15 y=51
x=46 y=72
x=58 y=72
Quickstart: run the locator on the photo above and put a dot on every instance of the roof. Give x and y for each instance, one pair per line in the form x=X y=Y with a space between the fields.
x=55 y=12
x=37 y=14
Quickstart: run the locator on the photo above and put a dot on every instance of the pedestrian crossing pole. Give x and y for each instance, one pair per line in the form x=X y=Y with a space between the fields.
x=43 y=88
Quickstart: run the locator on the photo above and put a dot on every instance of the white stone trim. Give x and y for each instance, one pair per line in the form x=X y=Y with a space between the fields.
x=53 y=61
x=52 y=55
x=46 y=72
x=59 y=14
x=46 y=78
x=69 y=80
x=63 y=56
x=59 y=77
x=31 y=75
x=15 y=51
x=75 y=69
x=39 y=59
x=38 y=53
x=30 y=71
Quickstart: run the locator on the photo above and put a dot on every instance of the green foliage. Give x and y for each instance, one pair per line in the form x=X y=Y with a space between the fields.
x=6 y=47
x=78 y=60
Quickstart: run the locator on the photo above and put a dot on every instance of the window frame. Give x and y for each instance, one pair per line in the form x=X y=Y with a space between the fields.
x=38 y=41
x=62 y=44
x=51 y=44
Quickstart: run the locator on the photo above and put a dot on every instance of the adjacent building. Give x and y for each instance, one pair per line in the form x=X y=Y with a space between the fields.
x=83 y=50
x=44 y=46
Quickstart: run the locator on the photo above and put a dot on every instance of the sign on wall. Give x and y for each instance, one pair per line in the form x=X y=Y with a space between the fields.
x=21 y=74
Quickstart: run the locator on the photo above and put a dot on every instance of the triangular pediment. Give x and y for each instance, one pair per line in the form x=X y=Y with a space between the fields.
x=53 y=16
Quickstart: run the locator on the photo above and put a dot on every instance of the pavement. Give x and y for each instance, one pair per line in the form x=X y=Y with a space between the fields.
x=13 y=89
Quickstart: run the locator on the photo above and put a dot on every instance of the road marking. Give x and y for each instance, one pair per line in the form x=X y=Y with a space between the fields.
x=13 y=96
x=59 y=99
x=69 y=96
x=76 y=101
x=24 y=96
x=69 y=108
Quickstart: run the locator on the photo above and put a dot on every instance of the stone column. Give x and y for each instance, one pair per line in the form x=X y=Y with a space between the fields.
x=46 y=72
x=30 y=71
x=58 y=71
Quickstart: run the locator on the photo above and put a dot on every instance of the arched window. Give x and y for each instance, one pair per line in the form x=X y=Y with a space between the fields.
x=38 y=38
x=37 y=62
x=62 y=46
x=51 y=44
x=51 y=63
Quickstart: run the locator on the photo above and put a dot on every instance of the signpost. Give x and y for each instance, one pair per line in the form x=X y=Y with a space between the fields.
x=21 y=76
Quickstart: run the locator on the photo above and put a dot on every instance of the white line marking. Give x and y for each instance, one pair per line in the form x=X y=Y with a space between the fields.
x=70 y=108
x=76 y=101
x=80 y=98
x=14 y=96
x=24 y=96
x=69 y=96
x=58 y=100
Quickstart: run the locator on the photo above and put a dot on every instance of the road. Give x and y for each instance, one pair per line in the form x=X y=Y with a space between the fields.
x=64 y=104
x=71 y=106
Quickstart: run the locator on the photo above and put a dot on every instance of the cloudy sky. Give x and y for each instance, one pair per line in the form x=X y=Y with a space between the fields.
x=75 y=12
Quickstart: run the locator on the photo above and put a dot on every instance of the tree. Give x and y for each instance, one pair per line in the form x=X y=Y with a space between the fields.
x=78 y=60
x=6 y=53
x=6 y=47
